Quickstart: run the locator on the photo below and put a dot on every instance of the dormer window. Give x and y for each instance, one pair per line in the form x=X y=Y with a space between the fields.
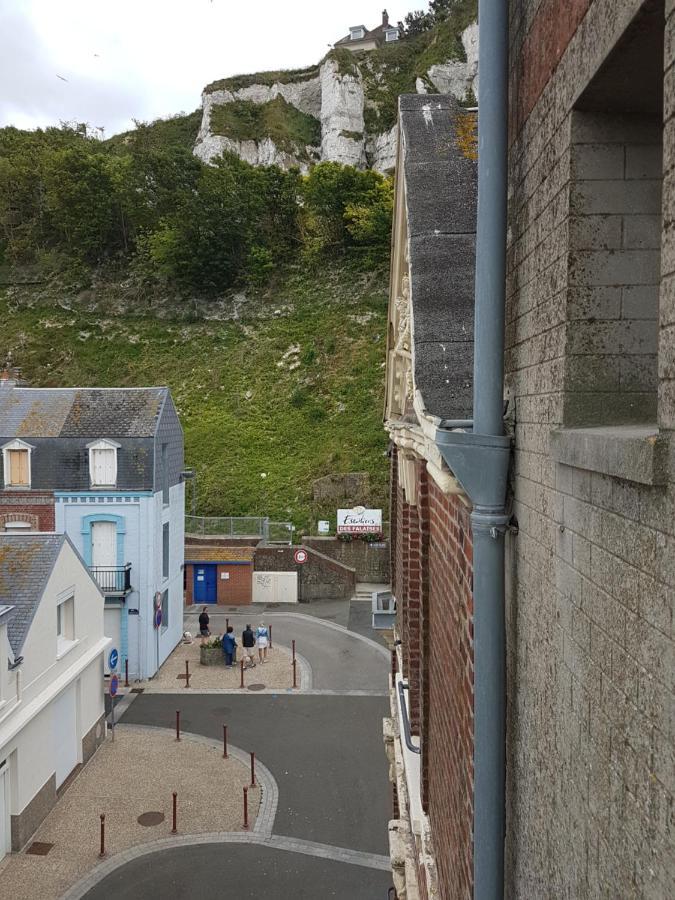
x=103 y=463
x=357 y=33
x=391 y=34
x=16 y=464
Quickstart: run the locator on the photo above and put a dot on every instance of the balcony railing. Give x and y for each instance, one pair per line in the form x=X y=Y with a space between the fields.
x=113 y=579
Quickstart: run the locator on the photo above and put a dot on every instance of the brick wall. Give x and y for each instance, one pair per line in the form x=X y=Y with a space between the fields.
x=236 y=589
x=27 y=506
x=447 y=754
x=591 y=574
x=432 y=546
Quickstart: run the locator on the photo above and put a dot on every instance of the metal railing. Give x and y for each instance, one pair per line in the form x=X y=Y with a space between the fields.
x=241 y=527
x=112 y=579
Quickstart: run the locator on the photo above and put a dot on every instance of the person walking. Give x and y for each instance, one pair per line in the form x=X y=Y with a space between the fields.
x=229 y=645
x=204 y=624
x=248 y=643
x=262 y=637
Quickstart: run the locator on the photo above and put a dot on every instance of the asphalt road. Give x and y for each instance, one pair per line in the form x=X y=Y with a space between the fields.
x=325 y=752
x=240 y=872
x=340 y=661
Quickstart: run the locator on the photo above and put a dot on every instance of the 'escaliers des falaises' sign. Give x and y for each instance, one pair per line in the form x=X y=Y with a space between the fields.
x=359 y=520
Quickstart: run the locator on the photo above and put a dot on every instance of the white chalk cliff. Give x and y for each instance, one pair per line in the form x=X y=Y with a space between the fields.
x=337 y=100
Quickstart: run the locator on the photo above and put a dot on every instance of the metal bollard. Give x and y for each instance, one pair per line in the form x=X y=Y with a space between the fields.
x=241 y=667
x=174 y=830
x=227 y=624
x=246 y=809
x=126 y=673
x=270 y=637
x=177 y=724
x=224 y=741
x=295 y=678
x=102 y=853
x=187 y=673
x=252 y=769
x=293 y=645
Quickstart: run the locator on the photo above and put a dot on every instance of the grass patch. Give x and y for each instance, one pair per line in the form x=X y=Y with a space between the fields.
x=281 y=76
x=289 y=128
x=296 y=424
x=180 y=131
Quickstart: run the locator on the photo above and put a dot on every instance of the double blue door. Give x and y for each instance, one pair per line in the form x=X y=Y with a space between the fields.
x=205 y=584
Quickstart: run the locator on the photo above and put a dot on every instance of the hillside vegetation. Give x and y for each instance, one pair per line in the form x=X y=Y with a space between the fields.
x=289 y=391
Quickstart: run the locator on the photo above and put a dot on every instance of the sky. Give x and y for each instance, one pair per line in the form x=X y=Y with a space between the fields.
x=108 y=62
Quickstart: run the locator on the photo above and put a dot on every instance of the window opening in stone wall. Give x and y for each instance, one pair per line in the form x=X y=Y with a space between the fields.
x=615 y=234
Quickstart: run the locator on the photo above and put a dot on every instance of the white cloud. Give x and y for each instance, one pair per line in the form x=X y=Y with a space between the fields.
x=140 y=59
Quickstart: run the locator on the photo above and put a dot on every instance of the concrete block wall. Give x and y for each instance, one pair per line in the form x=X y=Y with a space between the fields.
x=614 y=269
x=370 y=562
x=591 y=573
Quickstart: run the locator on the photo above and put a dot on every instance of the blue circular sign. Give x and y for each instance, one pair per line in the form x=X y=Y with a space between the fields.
x=113 y=658
x=158 y=617
x=114 y=684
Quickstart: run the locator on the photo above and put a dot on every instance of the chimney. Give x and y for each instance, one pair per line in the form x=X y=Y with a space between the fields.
x=385 y=18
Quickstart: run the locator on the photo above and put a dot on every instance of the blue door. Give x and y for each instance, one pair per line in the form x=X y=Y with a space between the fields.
x=205 y=584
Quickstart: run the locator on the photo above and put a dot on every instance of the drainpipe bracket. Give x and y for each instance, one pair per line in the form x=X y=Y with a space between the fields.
x=480 y=462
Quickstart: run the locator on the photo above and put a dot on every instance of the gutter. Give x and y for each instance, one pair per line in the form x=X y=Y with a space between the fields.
x=480 y=458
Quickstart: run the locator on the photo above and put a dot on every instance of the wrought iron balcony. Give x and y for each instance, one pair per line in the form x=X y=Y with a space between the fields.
x=113 y=579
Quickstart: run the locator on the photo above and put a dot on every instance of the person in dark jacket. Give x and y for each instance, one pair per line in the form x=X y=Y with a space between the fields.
x=229 y=644
x=248 y=643
x=204 y=624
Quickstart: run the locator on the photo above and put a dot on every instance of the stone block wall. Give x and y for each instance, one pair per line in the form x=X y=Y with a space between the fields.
x=591 y=573
x=320 y=578
x=370 y=562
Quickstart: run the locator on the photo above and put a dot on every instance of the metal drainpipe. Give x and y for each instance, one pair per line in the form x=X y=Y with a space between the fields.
x=488 y=522
x=480 y=459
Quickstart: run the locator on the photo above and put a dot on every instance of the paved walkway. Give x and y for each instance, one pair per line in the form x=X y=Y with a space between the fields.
x=133 y=775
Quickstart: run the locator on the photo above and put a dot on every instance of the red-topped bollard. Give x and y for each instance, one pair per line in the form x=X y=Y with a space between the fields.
x=293 y=646
x=187 y=673
x=246 y=809
x=224 y=741
x=295 y=675
x=252 y=769
x=174 y=829
x=241 y=669
x=177 y=724
x=126 y=673
x=270 y=637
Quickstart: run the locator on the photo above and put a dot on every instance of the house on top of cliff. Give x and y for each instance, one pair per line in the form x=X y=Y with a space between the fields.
x=360 y=38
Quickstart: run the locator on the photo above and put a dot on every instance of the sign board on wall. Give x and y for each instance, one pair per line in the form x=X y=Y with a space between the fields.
x=324 y=527
x=359 y=520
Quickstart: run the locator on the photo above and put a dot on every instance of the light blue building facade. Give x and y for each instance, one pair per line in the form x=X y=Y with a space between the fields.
x=112 y=459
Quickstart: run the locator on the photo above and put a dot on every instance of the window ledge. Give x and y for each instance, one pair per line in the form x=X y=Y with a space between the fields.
x=633 y=452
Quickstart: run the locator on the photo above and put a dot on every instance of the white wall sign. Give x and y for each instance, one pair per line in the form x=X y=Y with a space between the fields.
x=359 y=520
x=324 y=527
x=224 y=576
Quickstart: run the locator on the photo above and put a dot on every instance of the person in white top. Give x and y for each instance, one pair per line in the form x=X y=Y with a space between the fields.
x=262 y=639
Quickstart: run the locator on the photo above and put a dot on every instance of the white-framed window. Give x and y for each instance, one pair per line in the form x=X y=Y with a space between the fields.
x=18 y=527
x=103 y=463
x=391 y=34
x=355 y=34
x=16 y=458
x=65 y=625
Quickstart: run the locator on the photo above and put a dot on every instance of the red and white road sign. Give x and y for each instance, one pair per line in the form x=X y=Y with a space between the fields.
x=300 y=556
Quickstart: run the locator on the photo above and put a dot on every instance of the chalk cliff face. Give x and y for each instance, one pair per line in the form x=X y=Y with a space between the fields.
x=337 y=99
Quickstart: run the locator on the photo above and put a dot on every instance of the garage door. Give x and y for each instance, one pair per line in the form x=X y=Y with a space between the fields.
x=64 y=729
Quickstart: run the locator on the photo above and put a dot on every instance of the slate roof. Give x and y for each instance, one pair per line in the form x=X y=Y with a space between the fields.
x=80 y=412
x=375 y=34
x=26 y=562
x=441 y=194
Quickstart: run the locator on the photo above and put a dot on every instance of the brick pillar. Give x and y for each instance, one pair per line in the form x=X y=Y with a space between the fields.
x=423 y=516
